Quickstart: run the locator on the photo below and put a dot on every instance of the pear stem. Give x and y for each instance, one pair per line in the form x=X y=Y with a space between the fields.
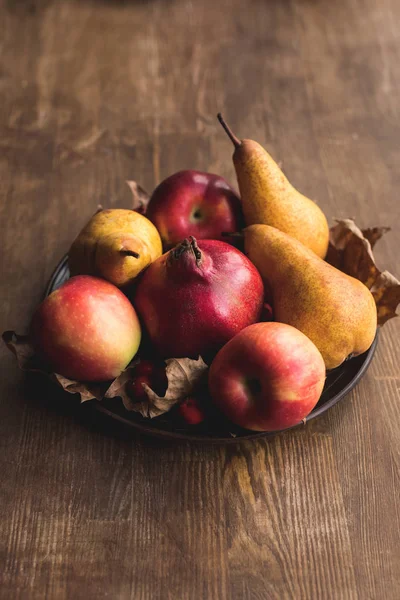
x=129 y=253
x=235 y=234
x=235 y=140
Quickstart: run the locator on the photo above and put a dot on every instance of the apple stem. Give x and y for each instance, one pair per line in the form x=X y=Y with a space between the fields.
x=130 y=253
x=235 y=140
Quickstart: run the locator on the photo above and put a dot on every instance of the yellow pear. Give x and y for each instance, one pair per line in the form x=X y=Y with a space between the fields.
x=116 y=244
x=269 y=198
x=337 y=312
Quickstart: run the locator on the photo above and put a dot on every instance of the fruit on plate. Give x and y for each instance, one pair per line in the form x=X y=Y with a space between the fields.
x=86 y=330
x=193 y=203
x=149 y=373
x=116 y=244
x=191 y=412
x=337 y=312
x=268 y=197
x=197 y=296
x=268 y=377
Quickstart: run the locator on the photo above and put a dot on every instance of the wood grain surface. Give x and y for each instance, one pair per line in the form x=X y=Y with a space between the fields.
x=96 y=92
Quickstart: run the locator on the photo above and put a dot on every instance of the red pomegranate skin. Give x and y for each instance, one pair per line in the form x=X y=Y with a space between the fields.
x=197 y=296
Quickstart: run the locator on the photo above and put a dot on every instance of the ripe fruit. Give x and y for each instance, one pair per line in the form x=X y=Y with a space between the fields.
x=116 y=244
x=268 y=377
x=337 y=312
x=193 y=203
x=136 y=389
x=86 y=330
x=267 y=196
x=191 y=411
x=196 y=297
x=152 y=374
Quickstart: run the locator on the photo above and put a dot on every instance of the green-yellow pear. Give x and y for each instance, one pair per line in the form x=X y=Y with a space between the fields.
x=337 y=312
x=116 y=244
x=269 y=198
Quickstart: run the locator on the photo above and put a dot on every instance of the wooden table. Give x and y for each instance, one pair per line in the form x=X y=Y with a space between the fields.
x=97 y=92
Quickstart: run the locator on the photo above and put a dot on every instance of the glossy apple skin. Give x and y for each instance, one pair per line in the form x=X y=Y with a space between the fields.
x=86 y=330
x=194 y=203
x=268 y=377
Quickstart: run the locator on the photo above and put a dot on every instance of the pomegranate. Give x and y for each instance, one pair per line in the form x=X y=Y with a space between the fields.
x=197 y=296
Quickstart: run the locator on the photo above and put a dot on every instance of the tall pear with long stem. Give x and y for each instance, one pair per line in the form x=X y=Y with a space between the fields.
x=268 y=198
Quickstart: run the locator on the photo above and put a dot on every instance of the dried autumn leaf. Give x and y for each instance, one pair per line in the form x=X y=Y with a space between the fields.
x=27 y=360
x=140 y=198
x=183 y=375
x=373 y=234
x=350 y=250
x=386 y=291
x=87 y=391
x=22 y=349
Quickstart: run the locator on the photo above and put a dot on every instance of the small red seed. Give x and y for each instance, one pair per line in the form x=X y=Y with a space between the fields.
x=191 y=411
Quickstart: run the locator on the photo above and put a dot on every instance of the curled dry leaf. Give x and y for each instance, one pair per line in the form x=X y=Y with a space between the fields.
x=183 y=374
x=373 y=234
x=27 y=360
x=350 y=250
x=386 y=291
x=140 y=198
x=22 y=349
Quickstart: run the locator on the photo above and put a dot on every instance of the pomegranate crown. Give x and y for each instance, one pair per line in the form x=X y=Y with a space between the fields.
x=188 y=245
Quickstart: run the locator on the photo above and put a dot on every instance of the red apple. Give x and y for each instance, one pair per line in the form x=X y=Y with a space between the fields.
x=268 y=377
x=86 y=330
x=193 y=203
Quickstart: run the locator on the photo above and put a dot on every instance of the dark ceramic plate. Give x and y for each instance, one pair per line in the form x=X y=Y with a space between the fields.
x=216 y=428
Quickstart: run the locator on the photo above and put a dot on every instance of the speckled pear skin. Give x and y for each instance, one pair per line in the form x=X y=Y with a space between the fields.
x=102 y=246
x=337 y=312
x=269 y=198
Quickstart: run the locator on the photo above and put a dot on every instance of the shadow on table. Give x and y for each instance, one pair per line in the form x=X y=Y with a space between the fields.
x=47 y=397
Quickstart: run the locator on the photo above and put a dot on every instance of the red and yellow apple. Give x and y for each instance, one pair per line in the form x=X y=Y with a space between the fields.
x=193 y=203
x=86 y=330
x=268 y=377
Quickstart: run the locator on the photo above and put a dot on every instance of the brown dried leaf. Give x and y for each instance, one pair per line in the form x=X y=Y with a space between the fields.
x=87 y=391
x=350 y=250
x=374 y=234
x=20 y=346
x=140 y=197
x=27 y=360
x=183 y=375
x=386 y=291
